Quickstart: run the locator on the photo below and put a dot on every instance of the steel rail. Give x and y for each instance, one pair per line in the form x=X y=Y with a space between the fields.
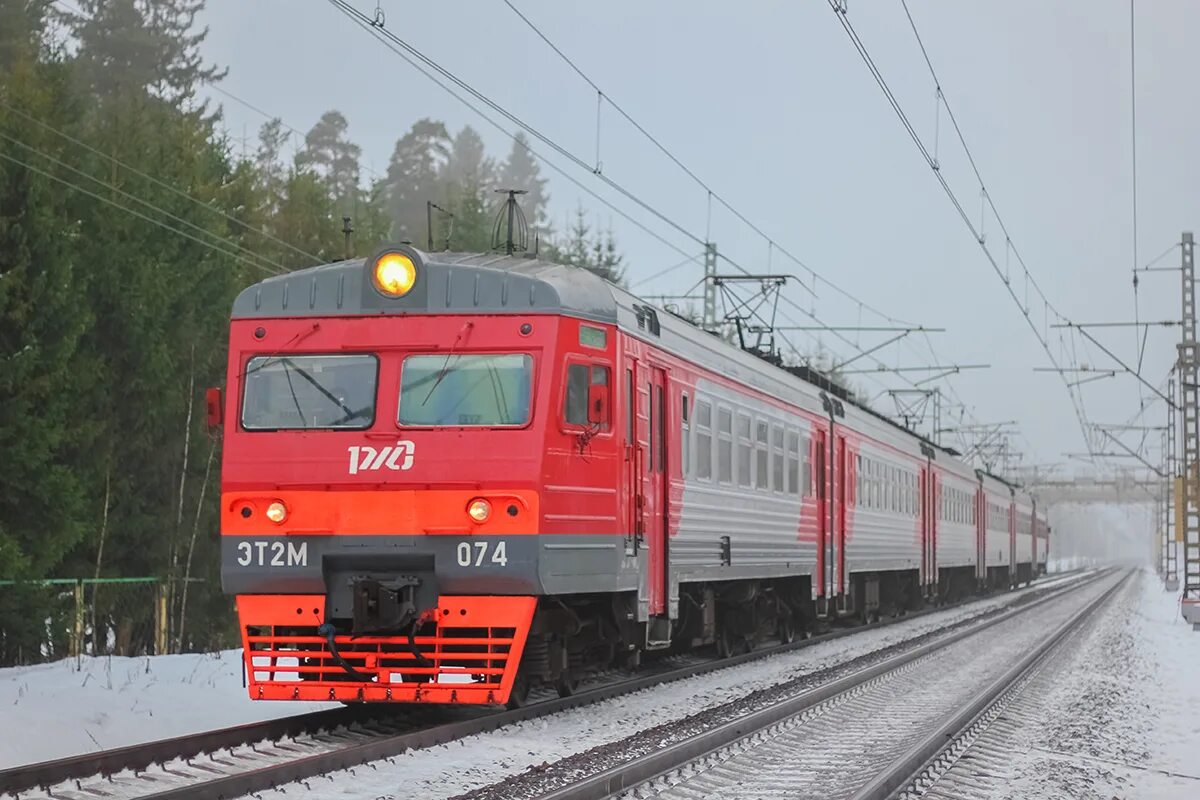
x=137 y=757
x=625 y=777
x=140 y=756
x=922 y=756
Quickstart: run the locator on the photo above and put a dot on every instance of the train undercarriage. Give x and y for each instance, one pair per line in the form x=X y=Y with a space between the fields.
x=574 y=636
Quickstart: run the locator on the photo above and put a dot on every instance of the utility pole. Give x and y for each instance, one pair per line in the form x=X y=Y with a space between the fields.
x=710 y=286
x=1190 y=603
x=1171 y=526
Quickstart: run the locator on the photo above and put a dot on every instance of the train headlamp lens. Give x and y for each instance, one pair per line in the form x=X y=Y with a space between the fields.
x=394 y=274
x=277 y=512
x=479 y=509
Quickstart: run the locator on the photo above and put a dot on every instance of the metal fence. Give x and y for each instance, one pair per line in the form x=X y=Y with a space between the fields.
x=48 y=620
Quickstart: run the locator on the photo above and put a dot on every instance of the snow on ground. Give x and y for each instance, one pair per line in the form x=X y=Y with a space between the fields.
x=1115 y=715
x=480 y=760
x=58 y=710
x=61 y=710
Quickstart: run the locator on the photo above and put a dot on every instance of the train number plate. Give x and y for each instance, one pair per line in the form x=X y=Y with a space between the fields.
x=481 y=553
x=272 y=554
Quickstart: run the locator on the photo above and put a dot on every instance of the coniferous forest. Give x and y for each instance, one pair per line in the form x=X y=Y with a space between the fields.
x=128 y=222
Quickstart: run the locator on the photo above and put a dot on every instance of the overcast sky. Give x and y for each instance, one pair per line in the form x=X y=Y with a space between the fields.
x=771 y=106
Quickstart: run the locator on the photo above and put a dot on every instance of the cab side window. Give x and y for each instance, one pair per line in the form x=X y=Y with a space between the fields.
x=580 y=377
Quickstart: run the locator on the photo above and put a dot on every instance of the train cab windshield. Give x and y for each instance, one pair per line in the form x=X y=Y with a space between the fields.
x=296 y=392
x=466 y=389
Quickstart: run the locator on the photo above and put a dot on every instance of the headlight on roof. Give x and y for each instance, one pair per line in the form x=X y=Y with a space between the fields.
x=393 y=274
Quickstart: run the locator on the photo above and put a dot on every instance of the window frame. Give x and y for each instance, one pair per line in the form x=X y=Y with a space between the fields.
x=777 y=457
x=724 y=438
x=685 y=435
x=533 y=384
x=743 y=481
x=579 y=359
x=245 y=371
x=762 y=454
x=709 y=431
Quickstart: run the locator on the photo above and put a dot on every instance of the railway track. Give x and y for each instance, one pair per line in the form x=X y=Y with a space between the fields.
x=257 y=756
x=886 y=730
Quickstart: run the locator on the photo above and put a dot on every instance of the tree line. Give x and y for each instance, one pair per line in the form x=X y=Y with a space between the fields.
x=128 y=223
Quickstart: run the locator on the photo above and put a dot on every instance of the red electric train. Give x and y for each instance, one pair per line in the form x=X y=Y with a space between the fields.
x=447 y=478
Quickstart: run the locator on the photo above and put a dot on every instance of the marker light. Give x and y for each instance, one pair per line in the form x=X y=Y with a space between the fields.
x=277 y=512
x=394 y=274
x=479 y=509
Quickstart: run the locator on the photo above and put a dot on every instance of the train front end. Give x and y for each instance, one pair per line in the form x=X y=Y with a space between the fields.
x=379 y=480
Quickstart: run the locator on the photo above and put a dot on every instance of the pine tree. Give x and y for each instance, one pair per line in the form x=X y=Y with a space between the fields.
x=468 y=176
x=334 y=158
x=268 y=161
x=44 y=442
x=597 y=254
x=413 y=178
x=129 y=46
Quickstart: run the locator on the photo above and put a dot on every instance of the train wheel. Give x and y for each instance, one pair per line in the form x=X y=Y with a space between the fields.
x=787 y=629
x=519 y=696
x=567 y=684
x=727 y=642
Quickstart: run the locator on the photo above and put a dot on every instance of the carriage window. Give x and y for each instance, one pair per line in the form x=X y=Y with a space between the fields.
x=877 y=485
x=724 y=445
x=305 y=392
x=466 y=389
x=704 y=440
x=761 y=453
x=793 y=462
x=744 y=450
x=867 y=481
x=777 y=458
x=685 y=438
x=805 y=468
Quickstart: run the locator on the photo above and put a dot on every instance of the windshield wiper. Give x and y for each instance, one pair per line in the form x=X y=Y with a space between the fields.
x=288 y=363
x=446 y=364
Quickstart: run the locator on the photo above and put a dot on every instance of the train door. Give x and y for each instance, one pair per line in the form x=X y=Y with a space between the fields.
x=1033 y=531
x=980 y=534
x=839 y=516
x=927 y=574
x=824 y=529
x=655 y=486
x=1012 y=543
x=830 y=467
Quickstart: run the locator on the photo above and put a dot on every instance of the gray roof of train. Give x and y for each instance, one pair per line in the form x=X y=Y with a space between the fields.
x=446 y=282
x=463 y=283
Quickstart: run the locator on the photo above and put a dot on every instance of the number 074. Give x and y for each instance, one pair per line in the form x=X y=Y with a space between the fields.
x=477 y=553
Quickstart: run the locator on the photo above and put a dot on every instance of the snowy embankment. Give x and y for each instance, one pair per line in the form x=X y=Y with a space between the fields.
x=476 y=761
x=56 y=710
x=1117 y=714
x=61 y=710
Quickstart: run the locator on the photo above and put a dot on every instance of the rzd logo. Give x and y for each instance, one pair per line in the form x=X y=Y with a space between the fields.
x=398 y=457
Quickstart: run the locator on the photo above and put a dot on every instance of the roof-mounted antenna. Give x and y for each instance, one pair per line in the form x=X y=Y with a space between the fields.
x=517 y=233
x=430 y=207
x=348 y=231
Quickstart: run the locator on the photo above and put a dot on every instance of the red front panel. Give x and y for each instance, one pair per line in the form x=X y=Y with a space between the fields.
x=472 y=657
x=389 y=480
